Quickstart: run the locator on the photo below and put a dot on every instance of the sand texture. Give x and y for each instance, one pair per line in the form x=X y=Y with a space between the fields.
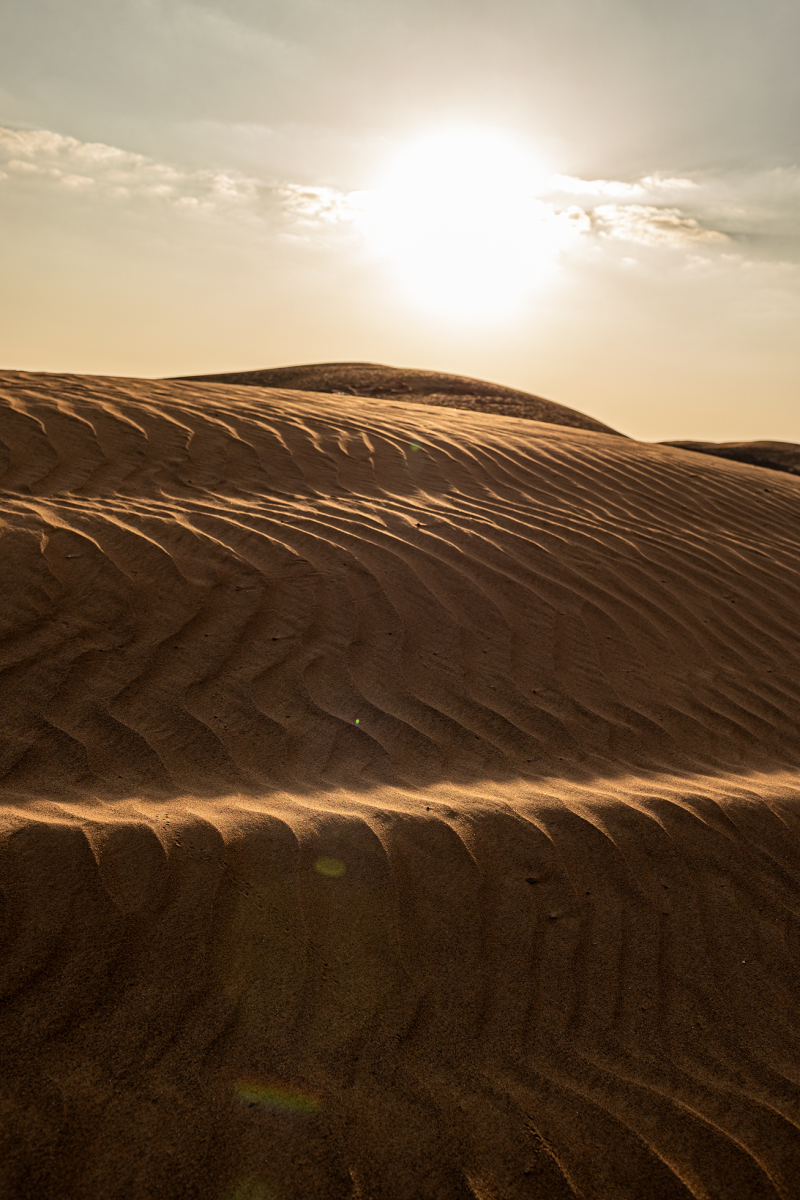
x=423 y=387
x=398 y=802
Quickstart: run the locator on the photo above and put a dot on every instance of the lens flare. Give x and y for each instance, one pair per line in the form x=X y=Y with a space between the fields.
x=279 y=1098
x=253 y=1187
x=334 y=868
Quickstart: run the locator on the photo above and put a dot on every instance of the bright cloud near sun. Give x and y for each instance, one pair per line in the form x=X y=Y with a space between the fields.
x=465 y=220
x=458 y=217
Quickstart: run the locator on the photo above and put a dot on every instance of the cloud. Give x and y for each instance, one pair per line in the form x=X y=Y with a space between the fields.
x=631 y=218
x=640 y=212
x=617 y=189
x=324 y=205
x=55 y=161
x=571 y=186
x=64 y=162
x=750 y=209
x=665 y=211
x=652 y=226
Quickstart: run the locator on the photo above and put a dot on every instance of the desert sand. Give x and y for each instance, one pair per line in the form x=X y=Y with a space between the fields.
x=398 y=801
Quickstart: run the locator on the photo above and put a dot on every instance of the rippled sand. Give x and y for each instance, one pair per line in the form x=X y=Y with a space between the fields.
x=398 y=802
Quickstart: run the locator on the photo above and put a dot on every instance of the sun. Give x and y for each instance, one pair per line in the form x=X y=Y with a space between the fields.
x=458 y=216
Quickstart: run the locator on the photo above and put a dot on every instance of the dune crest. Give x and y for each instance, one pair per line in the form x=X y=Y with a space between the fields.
x=396 y=803
x=420 y=387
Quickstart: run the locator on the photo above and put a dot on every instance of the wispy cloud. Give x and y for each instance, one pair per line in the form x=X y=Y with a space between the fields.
x=109 y=173
x=664 y=211
x=652 y=226
x=325 y=205
x=618 y=189
x=669 y=210
x=643 y=212
x=569 y=185
x=64 y=162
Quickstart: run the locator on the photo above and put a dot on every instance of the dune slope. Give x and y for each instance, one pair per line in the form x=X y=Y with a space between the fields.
x=397 y=802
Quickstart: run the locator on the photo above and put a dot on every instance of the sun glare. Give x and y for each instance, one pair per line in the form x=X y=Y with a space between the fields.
x=458 y=216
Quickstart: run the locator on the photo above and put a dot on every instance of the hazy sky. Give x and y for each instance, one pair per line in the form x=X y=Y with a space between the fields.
x=596 y=200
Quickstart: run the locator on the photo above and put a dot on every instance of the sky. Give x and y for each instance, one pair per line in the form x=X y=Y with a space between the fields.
x=597 y=201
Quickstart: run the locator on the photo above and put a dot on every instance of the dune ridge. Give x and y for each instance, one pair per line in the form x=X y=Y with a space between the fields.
x=421 y=387
x=397 y=802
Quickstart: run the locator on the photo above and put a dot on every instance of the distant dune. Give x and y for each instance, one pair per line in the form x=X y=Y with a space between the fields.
x=397 y=803
x=778 y=456
x=423 y=387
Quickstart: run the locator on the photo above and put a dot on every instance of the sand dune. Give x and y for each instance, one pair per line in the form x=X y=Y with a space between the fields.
x=421 y=387
x=397 y=802
x=777 y=456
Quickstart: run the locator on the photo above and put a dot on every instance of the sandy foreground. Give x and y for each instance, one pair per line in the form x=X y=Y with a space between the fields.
x=398 y=802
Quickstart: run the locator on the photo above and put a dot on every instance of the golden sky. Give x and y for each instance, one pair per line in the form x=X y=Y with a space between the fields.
x=594 y=200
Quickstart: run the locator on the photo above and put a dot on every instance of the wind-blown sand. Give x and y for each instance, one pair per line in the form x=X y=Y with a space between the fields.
x=398 y=802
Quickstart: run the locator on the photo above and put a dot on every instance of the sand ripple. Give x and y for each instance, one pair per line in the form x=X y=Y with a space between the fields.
x=397 y=803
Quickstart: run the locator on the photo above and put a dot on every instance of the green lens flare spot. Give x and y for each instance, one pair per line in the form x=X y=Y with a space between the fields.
x=334 y=868
x=252 y=1188
x=358 y=720
x=415 y=446
x=277 y=1098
